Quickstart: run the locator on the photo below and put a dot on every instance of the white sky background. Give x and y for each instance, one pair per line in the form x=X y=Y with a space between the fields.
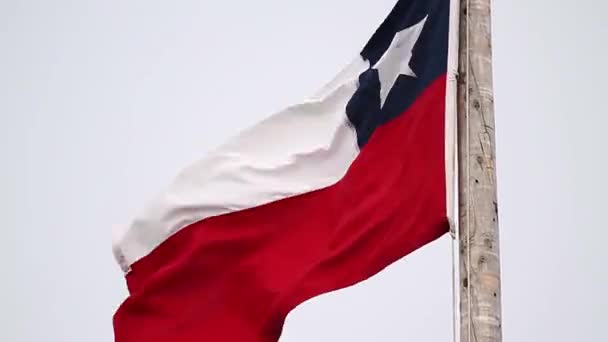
x=102 y=102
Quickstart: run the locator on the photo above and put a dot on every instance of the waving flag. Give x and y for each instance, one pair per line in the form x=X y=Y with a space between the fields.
x=317 y=197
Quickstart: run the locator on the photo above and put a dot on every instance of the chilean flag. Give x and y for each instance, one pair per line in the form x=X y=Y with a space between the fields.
x=317 y=197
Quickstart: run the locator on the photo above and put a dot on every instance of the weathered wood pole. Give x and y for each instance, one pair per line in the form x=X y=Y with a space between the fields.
x=479 y=265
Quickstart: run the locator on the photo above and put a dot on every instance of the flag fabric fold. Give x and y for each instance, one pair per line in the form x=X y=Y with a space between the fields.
x=318 y=197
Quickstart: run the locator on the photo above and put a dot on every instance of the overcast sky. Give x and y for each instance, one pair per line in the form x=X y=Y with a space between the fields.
x=102 y=102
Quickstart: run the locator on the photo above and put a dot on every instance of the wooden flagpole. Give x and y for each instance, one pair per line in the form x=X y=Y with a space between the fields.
x=479 y=264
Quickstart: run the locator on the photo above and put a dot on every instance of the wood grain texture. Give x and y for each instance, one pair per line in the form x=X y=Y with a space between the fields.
x=480 y=290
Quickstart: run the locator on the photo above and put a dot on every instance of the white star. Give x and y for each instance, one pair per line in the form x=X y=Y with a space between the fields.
x=396 y=59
